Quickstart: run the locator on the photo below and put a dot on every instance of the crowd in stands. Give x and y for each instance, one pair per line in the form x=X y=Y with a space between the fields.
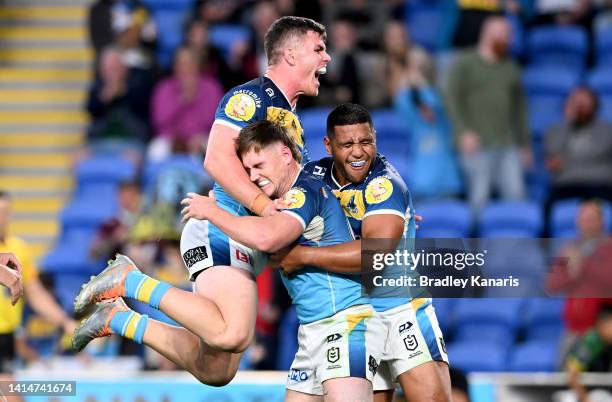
x=460 y=77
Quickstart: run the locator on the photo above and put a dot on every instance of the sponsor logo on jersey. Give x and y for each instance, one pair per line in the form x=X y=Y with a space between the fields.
x=289 y=120
x=195 y=255
x=294 y=198
x=378 y=190
x=333 y=354
x=411 y=343
x=372 y=365
x=319 y=171
x=241 y=107
x=405 y=327
x=297 y=375
x=352 y=203
x=270 y=92
x=333 y=338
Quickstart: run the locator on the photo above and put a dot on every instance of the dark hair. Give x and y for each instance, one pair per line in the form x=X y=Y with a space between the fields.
x=283 y=28
x=347 y=114
x=260 y=134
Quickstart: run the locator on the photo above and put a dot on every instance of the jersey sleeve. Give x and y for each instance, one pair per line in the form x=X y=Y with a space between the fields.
x=302 y=204
x=385 y=195
x=238 y=109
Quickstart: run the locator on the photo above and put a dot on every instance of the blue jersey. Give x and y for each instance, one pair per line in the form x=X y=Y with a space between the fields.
x=383 y=191
x=259 y=99
x=316 y=293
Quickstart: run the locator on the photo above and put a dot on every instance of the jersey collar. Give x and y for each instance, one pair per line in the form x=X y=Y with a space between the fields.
x=283 y=93
x=376 y=160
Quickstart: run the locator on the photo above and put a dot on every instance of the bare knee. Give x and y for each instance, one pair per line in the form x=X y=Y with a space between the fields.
x=218 y=379
x=233 y=340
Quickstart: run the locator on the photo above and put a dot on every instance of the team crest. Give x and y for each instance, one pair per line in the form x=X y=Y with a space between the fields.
x=379 y=190
x=240 y=107
x=411 y=343
x=294 y=198
x=333 y=355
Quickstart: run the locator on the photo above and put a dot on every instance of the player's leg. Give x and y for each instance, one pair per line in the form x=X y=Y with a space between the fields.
x=296 y=396
x=418 y=355
x=348 y=389
x=383 y=384
x=428 y=382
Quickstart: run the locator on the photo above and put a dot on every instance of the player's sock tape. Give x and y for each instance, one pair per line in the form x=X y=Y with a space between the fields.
x=130 y=325
x=145 y=289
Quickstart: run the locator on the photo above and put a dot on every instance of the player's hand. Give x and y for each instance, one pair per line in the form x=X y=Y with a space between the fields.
x=11 y=278
x=197 y=206
x=418 y=218
x=286 y=259
x=11 y=261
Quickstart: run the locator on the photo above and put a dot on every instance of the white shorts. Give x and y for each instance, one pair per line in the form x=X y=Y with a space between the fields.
x=203 y=246
x=413 y=338
x=347 y=344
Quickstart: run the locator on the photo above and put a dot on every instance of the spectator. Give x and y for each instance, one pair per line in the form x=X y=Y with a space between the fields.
x=579 y=151
x=562 y=12
x=219 y=11
x=183 y=108
x=135 y=34
x=118 y=105
x=100 y=26
x=369 y=15
x=211 y=61
x=575 y=272
x=434 y=169
x=264 y=14
x=341 y=82
x=38 y=298
x=113 y=234
x=487 y=108
x=592 y=353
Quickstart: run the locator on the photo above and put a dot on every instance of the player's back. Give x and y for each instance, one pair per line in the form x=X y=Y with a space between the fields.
x=316 y=293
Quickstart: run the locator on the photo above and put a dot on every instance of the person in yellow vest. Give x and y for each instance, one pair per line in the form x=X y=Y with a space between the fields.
x=35 y=294
x=10 y=275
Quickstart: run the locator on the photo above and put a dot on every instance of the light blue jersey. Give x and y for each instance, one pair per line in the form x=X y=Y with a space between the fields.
x=316 y=293
x=258 y=99
x=383 y=191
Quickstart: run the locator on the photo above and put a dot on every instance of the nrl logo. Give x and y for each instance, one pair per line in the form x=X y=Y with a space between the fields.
x=333 y=355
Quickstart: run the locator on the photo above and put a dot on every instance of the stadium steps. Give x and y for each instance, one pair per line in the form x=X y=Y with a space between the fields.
x=45 y=66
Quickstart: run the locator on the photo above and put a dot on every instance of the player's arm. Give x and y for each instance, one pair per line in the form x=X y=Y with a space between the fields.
x=267 y=234
x=222 y=163
x=344 y=258
x=11 y=278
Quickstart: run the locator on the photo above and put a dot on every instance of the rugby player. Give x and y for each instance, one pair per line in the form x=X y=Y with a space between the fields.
x=339 y=334
x=219 y=316
x=377 y=204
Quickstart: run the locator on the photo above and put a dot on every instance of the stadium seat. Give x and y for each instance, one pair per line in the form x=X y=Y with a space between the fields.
x=67 y=286
x=563 y=218
x=600 y=81
x=88 y=212
x=603 y=47
x=534 y=356
x=423 y=23
x=444 y=219
x=444 y=312
x=511 y=219
x=181 y=5
x=314 y=122
x=543 y=319
x=186 y=164
x=504 y=312
x=170 y=25
x=224 y=36
x=389 y=125
x=106 y=168
x=71 y=257
x=495 y=333
x=557 y=46
x=547 y=89
x=478 y=355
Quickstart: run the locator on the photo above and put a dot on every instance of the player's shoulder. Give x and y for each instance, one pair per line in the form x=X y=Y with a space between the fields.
x=383 y=168
x=319 y=168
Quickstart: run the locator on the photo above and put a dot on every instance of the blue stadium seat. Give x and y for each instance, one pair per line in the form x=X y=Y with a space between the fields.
x=423 y=23
x=170 y=25
x=557 y=46
x=224 y=36
x=389 y=125
x=477 y=355
x=600 y=80
x=184 y=163
x=444 y=219
x=71 y=257
x=67 y=286
x=543 y=319
x=563 y=218
x=511 y=219
x=495 y=333
x=314 y=123
x=181 y=5
x=534 y=356
x=603 y=47
x=547 y=89
x=444 y=312
x=504 y=312
x=89 y=212
x=549 y=332
x=105 y=169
